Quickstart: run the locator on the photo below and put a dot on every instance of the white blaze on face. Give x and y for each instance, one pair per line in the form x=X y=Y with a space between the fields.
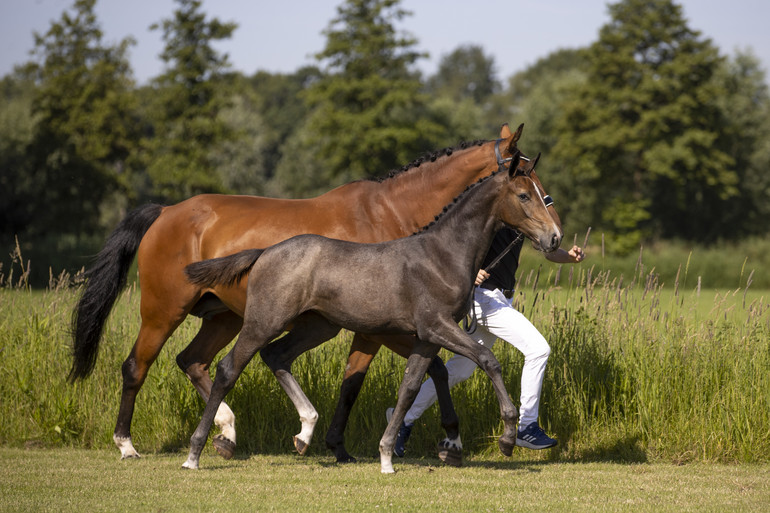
x=540 y=195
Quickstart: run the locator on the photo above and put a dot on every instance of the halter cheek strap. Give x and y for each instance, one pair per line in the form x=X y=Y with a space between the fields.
x=501 y=162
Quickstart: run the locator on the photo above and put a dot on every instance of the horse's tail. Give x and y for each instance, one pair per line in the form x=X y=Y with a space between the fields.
x=105 y=280
x=222 y=271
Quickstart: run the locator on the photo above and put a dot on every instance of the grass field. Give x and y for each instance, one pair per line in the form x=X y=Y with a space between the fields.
x=44 y=480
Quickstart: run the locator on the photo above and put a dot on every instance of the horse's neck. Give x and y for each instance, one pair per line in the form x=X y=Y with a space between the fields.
x=467 y=229
x=417 y=195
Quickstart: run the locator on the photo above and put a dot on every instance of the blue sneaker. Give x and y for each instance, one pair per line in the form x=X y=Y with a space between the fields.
x=403 y=435
x=533 y=437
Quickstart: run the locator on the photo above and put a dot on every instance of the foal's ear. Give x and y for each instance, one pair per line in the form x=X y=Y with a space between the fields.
x=534 y=162
x=514 y=163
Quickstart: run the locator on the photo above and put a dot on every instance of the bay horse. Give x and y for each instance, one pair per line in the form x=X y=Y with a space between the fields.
x=417 y=285
x=166 y=239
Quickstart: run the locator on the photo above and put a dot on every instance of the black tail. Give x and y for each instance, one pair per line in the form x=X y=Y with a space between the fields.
x=222 y=271
x=105 y=279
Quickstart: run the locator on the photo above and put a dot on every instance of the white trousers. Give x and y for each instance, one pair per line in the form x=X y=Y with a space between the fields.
x=496 y=319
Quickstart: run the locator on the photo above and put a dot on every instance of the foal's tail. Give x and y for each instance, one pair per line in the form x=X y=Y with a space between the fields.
x=106 y=278
x=222 y=271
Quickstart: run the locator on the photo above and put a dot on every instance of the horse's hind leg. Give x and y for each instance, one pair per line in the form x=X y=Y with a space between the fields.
x=309 y=330
x=146 y=348
x=214 y=335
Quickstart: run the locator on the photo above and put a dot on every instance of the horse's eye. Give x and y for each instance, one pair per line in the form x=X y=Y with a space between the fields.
x=523 y=197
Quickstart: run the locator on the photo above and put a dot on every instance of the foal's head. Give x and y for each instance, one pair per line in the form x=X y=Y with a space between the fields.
x=524 y=205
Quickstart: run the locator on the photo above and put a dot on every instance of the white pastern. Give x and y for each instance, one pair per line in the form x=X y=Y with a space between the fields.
x=225 y=420
x=450 y=443
x=386 y=462
x=309 y=418
x=127 y=450
x=191 y=463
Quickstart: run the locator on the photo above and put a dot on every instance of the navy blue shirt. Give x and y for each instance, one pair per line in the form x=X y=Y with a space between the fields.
x=503 y=275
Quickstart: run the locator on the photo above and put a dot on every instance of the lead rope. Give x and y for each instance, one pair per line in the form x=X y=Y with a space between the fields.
x=470 y=322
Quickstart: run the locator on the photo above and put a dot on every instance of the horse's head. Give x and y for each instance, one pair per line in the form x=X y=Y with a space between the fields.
x=506 y=145
x=525 y=206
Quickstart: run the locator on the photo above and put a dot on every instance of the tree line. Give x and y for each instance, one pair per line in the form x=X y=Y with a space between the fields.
x=648 y=133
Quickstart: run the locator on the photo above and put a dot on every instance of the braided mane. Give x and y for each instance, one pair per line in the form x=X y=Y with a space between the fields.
x=449 y=206
x=429 y=157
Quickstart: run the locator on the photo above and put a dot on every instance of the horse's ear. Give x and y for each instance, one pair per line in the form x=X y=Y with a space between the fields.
x=505 y=131
x=534 y=162
x=514 y=163
x=517 y=135
x=514 y=139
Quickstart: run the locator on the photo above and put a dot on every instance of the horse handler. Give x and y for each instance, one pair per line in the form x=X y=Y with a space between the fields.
x=498 y=319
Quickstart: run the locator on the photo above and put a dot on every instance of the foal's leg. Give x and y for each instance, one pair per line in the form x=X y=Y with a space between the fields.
x=251 y=340
x=309 y=331
x=214 y=335
x=452 y=337
x=416 y=366
x=450 y=448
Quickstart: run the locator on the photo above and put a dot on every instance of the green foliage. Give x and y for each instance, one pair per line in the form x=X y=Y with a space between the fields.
x=465 y=73
x=644 y=130
x=67 y=162
x=368 y=114
x=188 y=105
x=647 y=135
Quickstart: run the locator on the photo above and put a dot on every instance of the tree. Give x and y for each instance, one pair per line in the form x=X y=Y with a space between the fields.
x=187 y=107
x=83 y=113
x=369 y=115
x=745 y=108
x=642 y=136
x=465 y=73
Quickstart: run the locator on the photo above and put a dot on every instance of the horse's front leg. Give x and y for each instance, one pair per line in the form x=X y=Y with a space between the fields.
x=251 y=340
x=214 y=335
x=416 y=366
x=309 y=331
x=452 y=337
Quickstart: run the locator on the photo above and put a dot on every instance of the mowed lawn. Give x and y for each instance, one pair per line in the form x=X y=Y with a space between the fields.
x=96 y=480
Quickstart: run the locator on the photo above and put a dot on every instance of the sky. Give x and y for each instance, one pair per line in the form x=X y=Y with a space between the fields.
x=282 y=36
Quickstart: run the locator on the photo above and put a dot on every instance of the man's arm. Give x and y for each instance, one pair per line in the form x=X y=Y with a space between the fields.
x=563 y=256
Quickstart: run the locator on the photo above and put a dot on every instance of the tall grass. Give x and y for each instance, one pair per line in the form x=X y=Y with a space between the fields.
x=638 y=372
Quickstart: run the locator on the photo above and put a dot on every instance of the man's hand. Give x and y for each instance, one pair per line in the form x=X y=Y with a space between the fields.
x=562 y=256
x=483 y=275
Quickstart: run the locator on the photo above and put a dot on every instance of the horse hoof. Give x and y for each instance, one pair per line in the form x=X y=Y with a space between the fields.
x=224 y=446
x=505 y=446
x=347 y=458
x=450 y=455
x=300 y=446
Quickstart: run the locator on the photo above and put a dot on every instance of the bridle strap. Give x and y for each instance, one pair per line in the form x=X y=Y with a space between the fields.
x=500 y=160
